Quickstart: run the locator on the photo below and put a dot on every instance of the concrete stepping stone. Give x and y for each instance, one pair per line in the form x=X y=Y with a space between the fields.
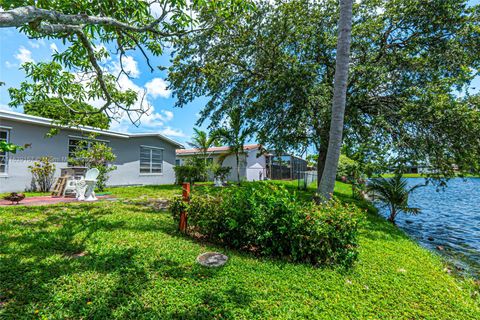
x=212 y=259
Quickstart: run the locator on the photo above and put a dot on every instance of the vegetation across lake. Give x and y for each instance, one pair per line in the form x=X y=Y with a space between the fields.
x=125 y=259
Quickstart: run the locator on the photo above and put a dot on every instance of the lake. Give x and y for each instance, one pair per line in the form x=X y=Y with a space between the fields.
x=449 y=218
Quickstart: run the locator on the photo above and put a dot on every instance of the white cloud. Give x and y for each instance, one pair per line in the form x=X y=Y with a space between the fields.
x=157 y=87
x=168 y=115
x=150 y=120
x=171 y=132
x=24 y=55
x=9 y=64
x=34 y=44
x=130 y=66
x=53 y=47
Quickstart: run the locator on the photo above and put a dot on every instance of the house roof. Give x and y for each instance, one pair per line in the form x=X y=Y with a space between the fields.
x=184 y=152
x=21 y=117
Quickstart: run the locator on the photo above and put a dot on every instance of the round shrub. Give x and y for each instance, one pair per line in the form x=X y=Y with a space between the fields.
x=269 y=220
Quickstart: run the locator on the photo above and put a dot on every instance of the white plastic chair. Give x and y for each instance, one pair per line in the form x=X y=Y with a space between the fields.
x=70 y=186
x=86 y=187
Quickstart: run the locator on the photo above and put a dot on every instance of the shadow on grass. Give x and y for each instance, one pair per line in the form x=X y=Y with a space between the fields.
x=218 y=305
x=43 y=255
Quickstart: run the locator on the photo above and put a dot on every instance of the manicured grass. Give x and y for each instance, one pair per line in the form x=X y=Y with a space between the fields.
x=133 y=264
x=405 y=175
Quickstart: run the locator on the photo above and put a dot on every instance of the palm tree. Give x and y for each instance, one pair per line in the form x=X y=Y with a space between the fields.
x=235 y=134
x=327 y=183
x=394 y=193
x=202 y=141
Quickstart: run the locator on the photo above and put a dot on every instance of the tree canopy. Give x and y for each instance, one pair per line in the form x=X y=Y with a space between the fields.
x=202 y=141
x=54 y=108
x=411 y=65
x=88 y=28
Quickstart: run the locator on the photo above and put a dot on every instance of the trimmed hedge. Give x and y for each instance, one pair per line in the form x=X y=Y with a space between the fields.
x=269 y=220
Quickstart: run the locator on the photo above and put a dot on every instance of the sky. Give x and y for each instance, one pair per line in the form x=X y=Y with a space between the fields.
x=176 y=123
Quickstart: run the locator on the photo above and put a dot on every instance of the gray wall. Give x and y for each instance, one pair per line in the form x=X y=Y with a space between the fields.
x=18 y=176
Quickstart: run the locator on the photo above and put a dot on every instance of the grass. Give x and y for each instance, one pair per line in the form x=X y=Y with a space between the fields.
x=405 y=175
x=121 y=260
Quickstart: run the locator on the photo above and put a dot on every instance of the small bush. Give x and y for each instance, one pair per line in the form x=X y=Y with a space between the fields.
x=348 y=168
x=220 y=172
x=43 y=172
x=269 y=220
x=98 y=155
x=194 y=170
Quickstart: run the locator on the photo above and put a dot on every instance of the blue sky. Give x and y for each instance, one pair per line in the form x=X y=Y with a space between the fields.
x=176 y=123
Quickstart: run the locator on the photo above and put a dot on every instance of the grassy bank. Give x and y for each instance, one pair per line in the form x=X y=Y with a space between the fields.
x=125 y=260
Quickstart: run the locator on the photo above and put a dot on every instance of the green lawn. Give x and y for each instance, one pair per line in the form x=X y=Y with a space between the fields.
x=136 y=266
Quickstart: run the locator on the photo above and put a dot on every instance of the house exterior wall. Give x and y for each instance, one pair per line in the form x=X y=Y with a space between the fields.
x=229 y=161
x=127 y=150
x=251 y=167
x=256 y=166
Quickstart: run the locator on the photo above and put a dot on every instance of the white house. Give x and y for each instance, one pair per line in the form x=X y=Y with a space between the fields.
x=142 y=158
x=255 y=163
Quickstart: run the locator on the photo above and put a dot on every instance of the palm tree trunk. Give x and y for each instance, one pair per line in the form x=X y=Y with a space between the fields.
x=393 y=214
x=327 y=184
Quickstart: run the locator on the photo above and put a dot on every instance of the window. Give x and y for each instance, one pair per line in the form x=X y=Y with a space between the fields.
x=73 y=144
x=177 y=162
x=3 y=155
x=151 y=160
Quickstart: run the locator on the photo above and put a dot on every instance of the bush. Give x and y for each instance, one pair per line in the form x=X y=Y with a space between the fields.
x=96 y=155
x=43 y=172
x=347 y=168
x=220 y=172
x=269 y=220
x=350 y=171
x=194 y=170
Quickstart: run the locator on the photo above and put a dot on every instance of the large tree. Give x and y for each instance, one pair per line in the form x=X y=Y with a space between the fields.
x=88 y=28
x=278 y=63
x=55 y=109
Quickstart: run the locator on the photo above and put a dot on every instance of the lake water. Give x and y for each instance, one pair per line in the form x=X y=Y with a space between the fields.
x=448 y=218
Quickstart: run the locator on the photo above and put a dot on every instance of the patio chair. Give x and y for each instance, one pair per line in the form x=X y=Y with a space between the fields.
x=85 y=188
x=70 y=186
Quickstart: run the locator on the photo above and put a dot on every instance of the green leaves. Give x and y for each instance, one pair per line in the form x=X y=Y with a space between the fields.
x=68 y=112
x=10 y=147
x=92 y=31
x=268 y=220
x=277 y=64
x=95 y=154
x=394 y=193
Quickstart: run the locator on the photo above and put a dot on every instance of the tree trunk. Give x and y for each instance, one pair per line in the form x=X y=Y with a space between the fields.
x=322 y=154
x=238 y=168
x=327 y=183
x=393 y=214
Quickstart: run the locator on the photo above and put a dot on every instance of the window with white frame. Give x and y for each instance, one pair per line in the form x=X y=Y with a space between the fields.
x=151 y=160
x=3 y=155
x=74 y=145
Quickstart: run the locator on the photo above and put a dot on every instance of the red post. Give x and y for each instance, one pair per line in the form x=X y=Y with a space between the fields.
x=183 y=216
